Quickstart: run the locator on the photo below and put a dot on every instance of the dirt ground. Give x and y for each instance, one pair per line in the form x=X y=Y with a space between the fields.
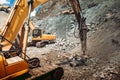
x=103 y=39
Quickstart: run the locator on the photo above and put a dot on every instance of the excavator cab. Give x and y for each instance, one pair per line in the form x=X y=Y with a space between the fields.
x=37 y=33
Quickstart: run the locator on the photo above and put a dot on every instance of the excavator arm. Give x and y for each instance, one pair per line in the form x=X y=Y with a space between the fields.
x=75 y=4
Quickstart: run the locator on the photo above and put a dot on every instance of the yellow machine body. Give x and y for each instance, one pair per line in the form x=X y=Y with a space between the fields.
x=12 y=67
x=42 y=36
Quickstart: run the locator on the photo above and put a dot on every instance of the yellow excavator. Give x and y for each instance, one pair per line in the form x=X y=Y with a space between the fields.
x=40 y=39
x=14 y=61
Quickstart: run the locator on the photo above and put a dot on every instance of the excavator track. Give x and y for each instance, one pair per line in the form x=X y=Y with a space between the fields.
x=51 y=72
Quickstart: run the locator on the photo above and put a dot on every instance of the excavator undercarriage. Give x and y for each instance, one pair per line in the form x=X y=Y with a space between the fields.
x=51 y=72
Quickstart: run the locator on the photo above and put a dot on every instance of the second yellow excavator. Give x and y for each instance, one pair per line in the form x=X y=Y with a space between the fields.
x=39 y=38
